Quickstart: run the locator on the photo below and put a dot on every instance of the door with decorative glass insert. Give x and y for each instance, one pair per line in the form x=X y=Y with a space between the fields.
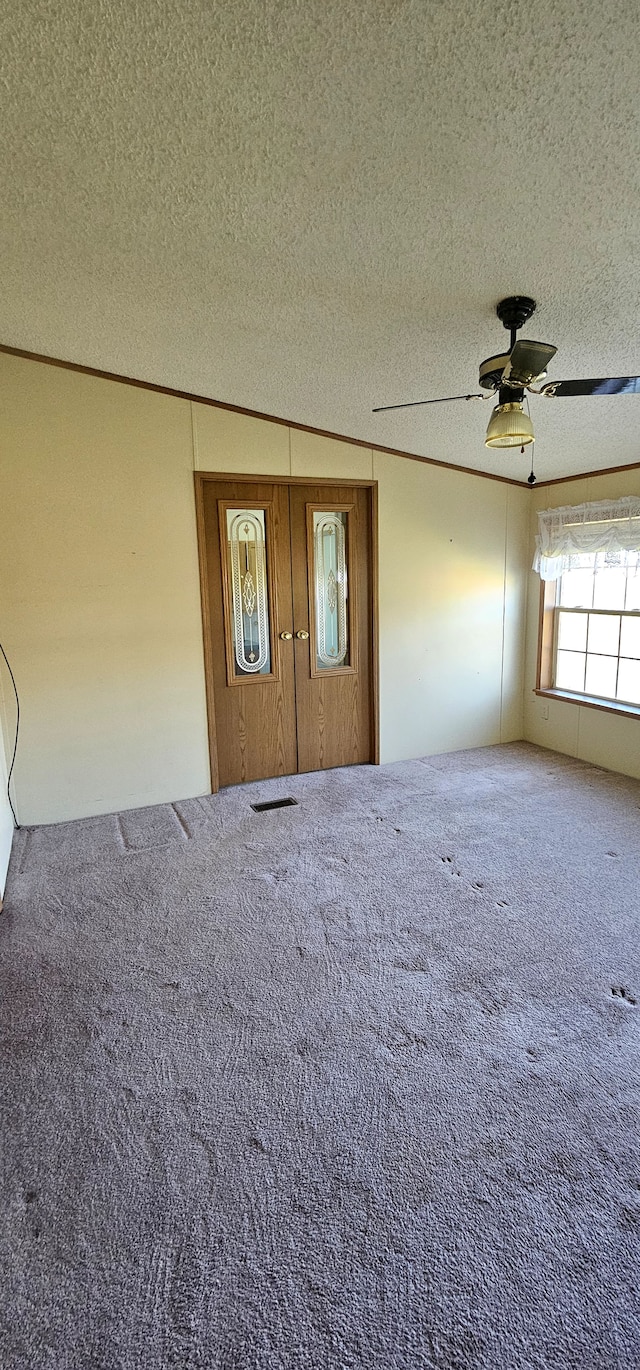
x=250 y=668
x=332 y=601
x=287 y=588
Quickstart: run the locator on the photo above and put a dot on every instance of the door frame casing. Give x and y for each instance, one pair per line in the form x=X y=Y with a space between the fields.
x=202 y=478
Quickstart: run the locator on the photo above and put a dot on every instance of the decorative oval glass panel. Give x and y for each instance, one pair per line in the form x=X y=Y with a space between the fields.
x=330 y=581
x=249 y=599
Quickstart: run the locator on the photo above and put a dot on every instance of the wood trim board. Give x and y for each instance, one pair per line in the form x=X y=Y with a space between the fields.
x=375 y=628
x=258 y=478
x=206 y=634
x=301 y=427
x=586 y=475
x=253 y=414
x=544 y=665
x=586 y=702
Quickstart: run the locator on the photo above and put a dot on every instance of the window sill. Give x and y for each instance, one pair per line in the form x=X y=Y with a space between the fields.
x=592 y=702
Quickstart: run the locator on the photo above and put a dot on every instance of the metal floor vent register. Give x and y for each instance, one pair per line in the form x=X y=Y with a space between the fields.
x=273 y=804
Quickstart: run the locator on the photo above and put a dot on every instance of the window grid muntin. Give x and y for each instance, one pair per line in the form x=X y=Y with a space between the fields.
x=629 y=562
x=622 y=614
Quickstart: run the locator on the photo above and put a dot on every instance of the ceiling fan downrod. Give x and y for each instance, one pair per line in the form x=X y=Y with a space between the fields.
x=514 y=312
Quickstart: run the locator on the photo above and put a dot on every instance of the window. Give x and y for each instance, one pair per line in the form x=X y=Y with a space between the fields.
x=597 y=629
x=588 y=557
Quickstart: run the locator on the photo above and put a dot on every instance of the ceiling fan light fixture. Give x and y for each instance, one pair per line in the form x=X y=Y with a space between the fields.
x=509 y=426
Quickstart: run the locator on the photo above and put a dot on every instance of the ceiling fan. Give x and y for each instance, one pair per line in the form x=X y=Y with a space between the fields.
x=521 y=368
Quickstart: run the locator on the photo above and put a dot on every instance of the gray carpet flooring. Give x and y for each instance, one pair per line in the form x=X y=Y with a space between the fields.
x=351 y=1084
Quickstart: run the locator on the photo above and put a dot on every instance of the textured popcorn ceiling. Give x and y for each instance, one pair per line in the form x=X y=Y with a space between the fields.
x=312 y=207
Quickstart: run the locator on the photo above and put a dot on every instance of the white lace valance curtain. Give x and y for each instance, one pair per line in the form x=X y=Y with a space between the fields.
x=569 y=536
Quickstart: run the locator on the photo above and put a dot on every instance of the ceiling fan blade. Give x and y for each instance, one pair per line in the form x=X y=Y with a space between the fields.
x=446 y=399
x=613 y=385
x=527 y=362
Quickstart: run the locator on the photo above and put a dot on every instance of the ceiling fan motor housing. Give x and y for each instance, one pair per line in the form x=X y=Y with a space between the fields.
x=513 y=313
x=515 y=310
x=491 y=371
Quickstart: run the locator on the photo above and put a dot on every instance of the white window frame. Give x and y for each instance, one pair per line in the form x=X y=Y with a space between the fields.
x=550 y=610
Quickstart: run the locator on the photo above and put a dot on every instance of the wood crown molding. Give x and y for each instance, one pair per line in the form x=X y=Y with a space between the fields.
x=302 y=427
x=253 y=414
x=586 y=475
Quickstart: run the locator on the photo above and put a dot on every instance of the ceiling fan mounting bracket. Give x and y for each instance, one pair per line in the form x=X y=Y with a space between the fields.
x=515 y=310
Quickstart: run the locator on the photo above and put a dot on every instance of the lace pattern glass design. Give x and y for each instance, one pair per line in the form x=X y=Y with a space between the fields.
x=249 y=595
x=330 y=584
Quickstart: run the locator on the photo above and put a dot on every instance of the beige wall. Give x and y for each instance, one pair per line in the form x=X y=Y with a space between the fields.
x=605 y=739
x=99 y=597
x=451 y=551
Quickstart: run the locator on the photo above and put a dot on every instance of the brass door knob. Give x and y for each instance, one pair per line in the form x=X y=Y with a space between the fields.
x=286 y=637
x=301 y=634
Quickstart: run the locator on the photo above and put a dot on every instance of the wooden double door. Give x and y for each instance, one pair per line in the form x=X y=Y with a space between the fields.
x=288 y=610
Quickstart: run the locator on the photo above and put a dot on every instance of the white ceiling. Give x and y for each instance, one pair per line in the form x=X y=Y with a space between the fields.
x=309 y=207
